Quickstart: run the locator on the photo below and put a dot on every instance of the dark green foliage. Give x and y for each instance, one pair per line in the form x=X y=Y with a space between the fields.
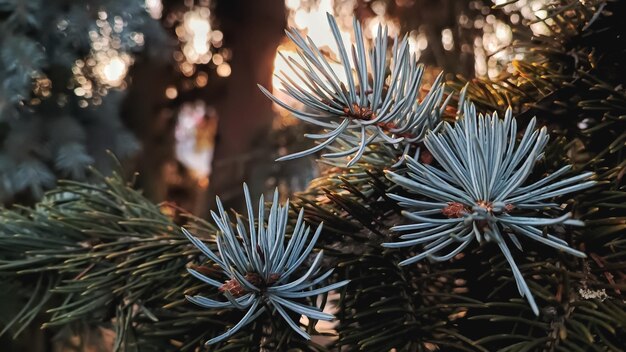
x=572 y=80
x=384 y=306
x=99 y=252
x=465 y=305
x=46 y=129
x=103 y=256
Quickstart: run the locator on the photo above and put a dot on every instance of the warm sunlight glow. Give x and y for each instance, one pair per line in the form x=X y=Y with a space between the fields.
x=196 y=35
x=313 y=22
x=108 y=61
x=200 y=44
x=171 y=92
x=114 y=71
x=447 y=40
x=195 y=137
x=417 y=42
x=310 y=19
x=490 y=55
x=223 y=70
x=393 y=27
x=293 y=4
x=154 y=8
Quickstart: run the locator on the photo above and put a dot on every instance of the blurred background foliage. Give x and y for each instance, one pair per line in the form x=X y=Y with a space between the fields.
x=149 y=80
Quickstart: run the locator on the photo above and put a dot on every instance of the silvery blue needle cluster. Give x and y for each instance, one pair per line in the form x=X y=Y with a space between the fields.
x=479 y=187
x=265 y=270
x=377 y=101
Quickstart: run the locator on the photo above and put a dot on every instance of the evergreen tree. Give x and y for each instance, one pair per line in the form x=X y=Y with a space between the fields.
x=60 y=65
x=444 y=220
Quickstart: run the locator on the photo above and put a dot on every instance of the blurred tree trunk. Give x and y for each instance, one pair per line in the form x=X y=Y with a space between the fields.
x=435 y=16
x=252 y=30
x=145 y=114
